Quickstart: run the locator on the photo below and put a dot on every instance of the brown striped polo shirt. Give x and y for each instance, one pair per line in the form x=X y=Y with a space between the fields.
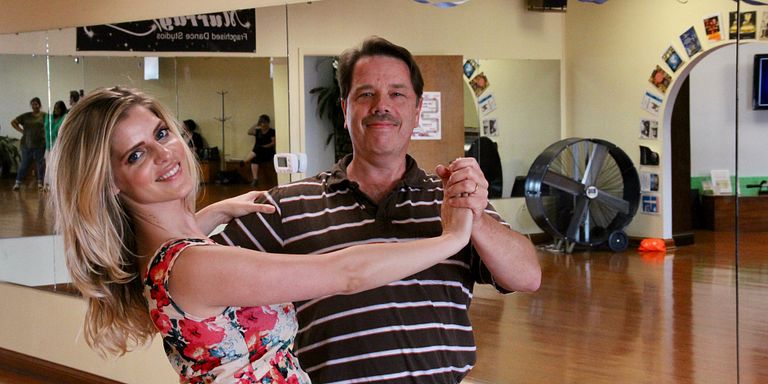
x=415 y=330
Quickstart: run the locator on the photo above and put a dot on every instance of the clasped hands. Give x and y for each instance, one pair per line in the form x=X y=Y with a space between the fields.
x=464 y=185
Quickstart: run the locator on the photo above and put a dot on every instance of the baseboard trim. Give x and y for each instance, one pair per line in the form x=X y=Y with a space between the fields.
x=46 y=370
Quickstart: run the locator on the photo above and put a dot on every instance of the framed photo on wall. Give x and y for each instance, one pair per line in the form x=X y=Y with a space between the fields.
x=490 y=128
x=479 y=84
x=691 y=42
x=651 y=103
x=487 y=104
x=470 y=66
x=713 y=28
x=649 y=129
x=649 y=204
x=672 y=59
x=660 y=79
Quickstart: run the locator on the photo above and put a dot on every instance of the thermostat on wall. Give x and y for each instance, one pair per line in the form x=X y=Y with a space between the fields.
x=290 y=162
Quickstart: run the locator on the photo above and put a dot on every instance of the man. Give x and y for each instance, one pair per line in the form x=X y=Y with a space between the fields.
x=31 y=126
x=415 y=330
x=74 y=97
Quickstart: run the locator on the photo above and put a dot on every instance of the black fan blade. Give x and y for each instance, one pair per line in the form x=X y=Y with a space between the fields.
x=579 y=211
x=595 y=165
x=563 y=183
x=612 y=201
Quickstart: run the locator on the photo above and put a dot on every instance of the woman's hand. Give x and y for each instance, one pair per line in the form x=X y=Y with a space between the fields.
x=225 y=210
x=456 y=220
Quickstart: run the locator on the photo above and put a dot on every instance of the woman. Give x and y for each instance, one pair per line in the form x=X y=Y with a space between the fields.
x=51 y=126
x=124 y=196
x=263 y=150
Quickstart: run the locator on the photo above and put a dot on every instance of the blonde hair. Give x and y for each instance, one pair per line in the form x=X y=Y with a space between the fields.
x=99 y=238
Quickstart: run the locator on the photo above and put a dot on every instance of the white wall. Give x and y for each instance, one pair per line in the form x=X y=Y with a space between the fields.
x=317 y=72
x=713 y=112
x=48 y=326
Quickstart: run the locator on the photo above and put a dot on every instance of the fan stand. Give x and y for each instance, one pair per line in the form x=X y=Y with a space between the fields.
x=565 y=245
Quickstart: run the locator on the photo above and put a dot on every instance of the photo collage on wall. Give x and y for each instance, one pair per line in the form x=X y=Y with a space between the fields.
x=713 y=29
x=486 y=102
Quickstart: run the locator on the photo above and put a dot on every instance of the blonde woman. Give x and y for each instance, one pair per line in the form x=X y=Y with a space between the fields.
x=123 y=193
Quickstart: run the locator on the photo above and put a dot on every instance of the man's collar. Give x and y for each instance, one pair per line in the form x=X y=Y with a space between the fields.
x=413 y=176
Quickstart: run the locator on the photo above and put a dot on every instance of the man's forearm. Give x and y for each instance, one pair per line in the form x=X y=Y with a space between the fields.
x=510 y=256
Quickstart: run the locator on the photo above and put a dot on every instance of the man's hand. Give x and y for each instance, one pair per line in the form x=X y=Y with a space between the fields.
x=466 y=185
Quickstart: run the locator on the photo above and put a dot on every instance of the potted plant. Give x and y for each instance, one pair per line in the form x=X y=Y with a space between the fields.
x=329 y=107
x=9 y=155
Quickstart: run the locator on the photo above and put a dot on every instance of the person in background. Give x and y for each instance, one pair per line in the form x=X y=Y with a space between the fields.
x=123 y=198
x=195 y=139
x=263 y=148
x=52 y=123
x=31 y=125
x=415 y=330
x=74 y=97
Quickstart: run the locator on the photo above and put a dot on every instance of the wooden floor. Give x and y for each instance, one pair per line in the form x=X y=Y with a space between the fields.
x=603 y=317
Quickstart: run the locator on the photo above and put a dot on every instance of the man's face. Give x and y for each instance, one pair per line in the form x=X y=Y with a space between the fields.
x=381 y=109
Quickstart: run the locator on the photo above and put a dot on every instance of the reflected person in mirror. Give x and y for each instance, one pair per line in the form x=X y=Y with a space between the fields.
x=263 y=149
x=31 y=125
x=415 y=330
x=123 y=198
x=74 y=97
x=51 y=127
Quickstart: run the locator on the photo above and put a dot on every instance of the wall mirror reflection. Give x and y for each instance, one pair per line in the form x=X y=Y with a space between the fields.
x=222 y=94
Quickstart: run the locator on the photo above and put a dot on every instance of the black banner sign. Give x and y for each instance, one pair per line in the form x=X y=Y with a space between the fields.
x=230 y=31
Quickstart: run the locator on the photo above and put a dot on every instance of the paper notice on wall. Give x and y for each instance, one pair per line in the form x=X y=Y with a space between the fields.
x=721 y=182
x=430 y=124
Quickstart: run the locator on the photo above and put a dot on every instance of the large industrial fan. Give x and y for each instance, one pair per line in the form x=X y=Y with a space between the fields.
x=583 y=191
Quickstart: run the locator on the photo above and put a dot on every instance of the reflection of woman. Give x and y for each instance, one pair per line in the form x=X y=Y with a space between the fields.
x=123 y=197
x=195 y=139
x=51 y=127
x=263 y=148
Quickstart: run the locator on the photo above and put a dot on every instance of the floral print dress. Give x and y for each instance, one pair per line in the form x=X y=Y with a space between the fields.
x=240 y=345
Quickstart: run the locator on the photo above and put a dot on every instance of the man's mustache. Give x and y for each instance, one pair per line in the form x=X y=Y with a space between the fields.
x=379 y=118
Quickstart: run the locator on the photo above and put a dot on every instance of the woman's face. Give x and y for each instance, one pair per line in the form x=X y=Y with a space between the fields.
x=148 y=160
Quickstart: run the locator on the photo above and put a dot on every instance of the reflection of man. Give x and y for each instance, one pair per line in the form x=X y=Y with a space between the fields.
x=416 y=330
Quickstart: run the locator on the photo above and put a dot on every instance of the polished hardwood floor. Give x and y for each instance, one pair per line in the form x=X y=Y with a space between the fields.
x=688 y=315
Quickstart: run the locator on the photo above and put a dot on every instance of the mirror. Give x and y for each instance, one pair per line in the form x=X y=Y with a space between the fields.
x=224 y=93
x=751 y=172
x=523 y=96
x=608 y=54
